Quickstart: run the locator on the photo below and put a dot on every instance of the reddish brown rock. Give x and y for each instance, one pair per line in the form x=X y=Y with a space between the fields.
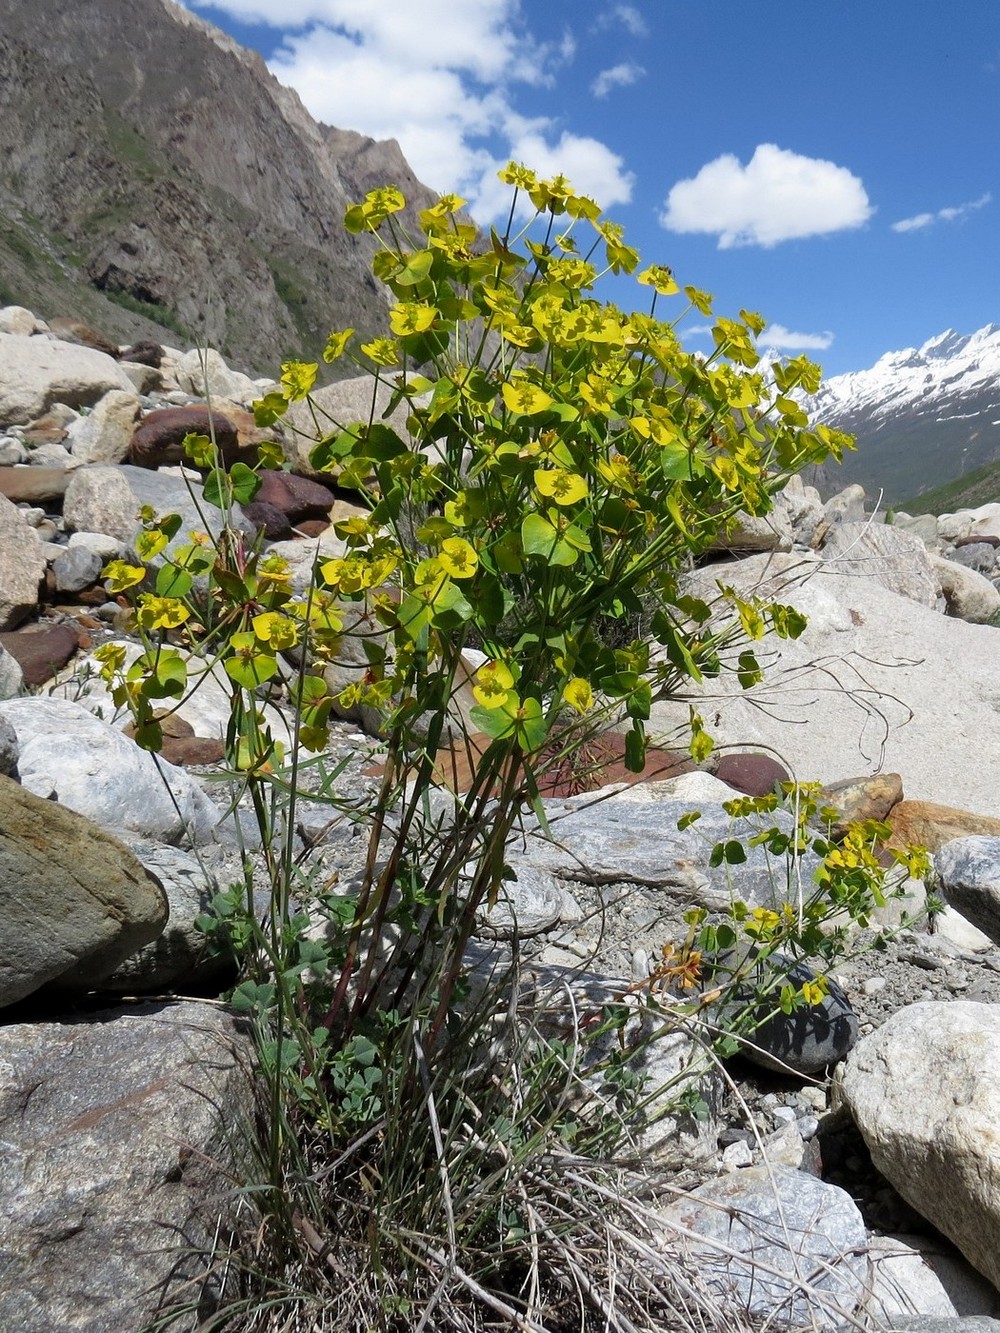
x=69 y=330
x=157 y=441
x=48 y=429
x=297 y=498
x=311 y=527
x=983 y=539
x=274 y=523
x=34 y=485
x=41 y=651
x=181 y=746
x=857 y=799
x=144 y=354
x=752 y=774
x=931 y=826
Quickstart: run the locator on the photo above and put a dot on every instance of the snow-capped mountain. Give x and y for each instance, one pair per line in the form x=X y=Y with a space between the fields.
x=922 y=416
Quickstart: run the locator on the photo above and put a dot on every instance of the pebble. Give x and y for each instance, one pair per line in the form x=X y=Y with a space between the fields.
x=873 y=985
x=785 y=1115
x=808 y=1126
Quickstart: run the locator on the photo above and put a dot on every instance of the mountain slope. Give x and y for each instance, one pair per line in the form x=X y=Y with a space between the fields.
x=146 y=156
x=923 y=417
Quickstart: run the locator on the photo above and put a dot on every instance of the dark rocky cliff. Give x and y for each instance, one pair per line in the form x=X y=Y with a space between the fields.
x=155 y=177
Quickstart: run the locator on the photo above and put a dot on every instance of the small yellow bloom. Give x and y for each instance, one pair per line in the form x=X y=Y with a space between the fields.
x=494 y=682
x=559 y=485
x=458 y=558
x=578 y=694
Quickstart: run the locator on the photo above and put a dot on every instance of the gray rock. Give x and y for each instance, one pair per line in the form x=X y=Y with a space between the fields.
x=634 y=839
x=115 y=1138
x=750 y=532
x=108 y=500
x=12 y=451
x=530 y=904
x=22 y=566
x=924 y=525
x=11 y=675
x=923 y=1091
x=103 y=435
x=9 y=750
x=968 y=871
x=76 y=902
x=180 y=953
x=76 y=568
x=981 y=557
x=799 y=1246
x=917 y=1277
x=37 y=372
x=69 y=755
x=203 y=373
x=896 y=559
x=967 y=594
x=51 y=454
x=808 y=1039
x=934 y=1324
x=339 y=404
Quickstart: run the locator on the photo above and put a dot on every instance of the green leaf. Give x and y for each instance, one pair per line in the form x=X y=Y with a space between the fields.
x=492 y=722
x=173 y=582
x=687 y=820
x=416 y=269
x=538 y=536
x=749 y=672
x=251 y=671
x=635 y=751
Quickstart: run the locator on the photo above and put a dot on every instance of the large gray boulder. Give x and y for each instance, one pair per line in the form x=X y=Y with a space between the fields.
x=634 y=839
x=968 y=871
x=774 y=1242
x=22 y=566
x=103 y=435
x=68 y=754
x=329 y=410
x=897 y=559
x=968 y=594
x=876 y=683
x=924 y=1093
x=115 y=1133
x=74 y=902
x=37 y=372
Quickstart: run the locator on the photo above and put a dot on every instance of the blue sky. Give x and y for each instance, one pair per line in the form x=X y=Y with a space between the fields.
x=833 y=166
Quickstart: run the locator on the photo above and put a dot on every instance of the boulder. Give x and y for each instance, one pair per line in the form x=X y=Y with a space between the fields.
x=69 y=755
x=753 y=532
x=17 y=319
x=181 y=954
x=11 y=675
x=968 y=874
x=773 y=1242
x=34 y=485
x=203 y=373
x=116 y=1131
x=811 y=1037
x=37 y=372
x=860 y=799
x=68 y=329
x=22 y=566
x=968 y=595
x=634 y=839
x=76 y=902
x=103 y=435
x=76 y=568
x=752 y=774
x=896 y=559
x=158 y=441
x=41 y=651
x=144 y=354
x=334 y=406
x=923 y=1091
x=979 y=556
x=876 y=682
x=916 y=1273
x=926 y=824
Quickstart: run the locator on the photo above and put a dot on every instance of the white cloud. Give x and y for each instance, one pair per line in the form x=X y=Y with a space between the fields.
x=921 y=220
x=784 y=340
x=623 y=16
x=439 y=78
x=618 y=76
x=778 y=196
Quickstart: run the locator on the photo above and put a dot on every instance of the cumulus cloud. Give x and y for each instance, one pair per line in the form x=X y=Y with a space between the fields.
x=439 y=78
x=957 y=214
x=778 y=196
x=618 y=76
x=785 y=340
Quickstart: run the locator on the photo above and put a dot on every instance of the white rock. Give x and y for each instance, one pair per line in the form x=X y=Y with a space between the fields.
x=915 y=1275
x=923 y=1091
x=108 y=548
x=205 y=374
x=953 y=926
x=967 y=594
x=68 y=754
x=37 y=372
x=876 y=683
x=19 y=321
x=897 y=559
x=104 y=435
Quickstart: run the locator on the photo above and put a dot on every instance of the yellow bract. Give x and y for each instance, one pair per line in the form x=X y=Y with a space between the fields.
x=557 y=484
x=276 y=629
x=411 y=317
x=494 y=681
x=161 y=612
x=121 y=575
x=458 y=558
x=578 y=694
x=524 y=398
